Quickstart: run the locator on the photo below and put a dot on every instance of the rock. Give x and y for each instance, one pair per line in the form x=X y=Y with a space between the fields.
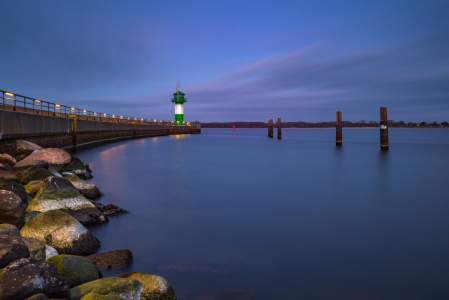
x=87 y=189
x=20 y=157
x=54 y=172
x=27 y=277
x=76 y=270
x=57 y=158
x=38 y=297
x=75 y=166
x=93 y=296
x=29 y=215
x=12 y=246
x=25 y=148
x=31 y=174
x=33 y=187
x=50 y=252
x=86 y=175
x=154 y=287
x=36 y=247
x=28 y=163
x=109 y=210
x=5 y=167
x=62 y=232
x=7 y=159
x=7 y=177
x=125 y=288
x=11 y=209
x=59 y=193
x=17 y=189
x=112 y=260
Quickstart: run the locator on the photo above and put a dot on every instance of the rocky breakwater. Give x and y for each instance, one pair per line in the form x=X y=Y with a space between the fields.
x=46 y=251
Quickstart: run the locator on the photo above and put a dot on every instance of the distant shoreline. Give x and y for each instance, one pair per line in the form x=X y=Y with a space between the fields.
x=326 y=128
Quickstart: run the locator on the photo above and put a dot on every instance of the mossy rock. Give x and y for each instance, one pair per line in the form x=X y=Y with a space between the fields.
x=62 y=232
x=76 y=270
x=38 y=297
x=58 y=193
x=33 y=187
x=125 y=288
x=36 y=247
x=75 y=166
x=86 y=188
x=154 y=287
x=31 y=174
x=93 y=296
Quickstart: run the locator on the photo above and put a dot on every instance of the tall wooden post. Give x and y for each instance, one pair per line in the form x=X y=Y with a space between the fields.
x=270 y=128
x=383 y=129
x=74 y=131
x=279 y=128
x=339 y=136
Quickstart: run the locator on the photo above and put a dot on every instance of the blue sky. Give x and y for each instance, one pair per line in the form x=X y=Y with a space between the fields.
x=238 y=60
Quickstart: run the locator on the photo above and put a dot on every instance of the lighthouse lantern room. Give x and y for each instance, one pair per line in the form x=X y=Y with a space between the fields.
x=179 y=99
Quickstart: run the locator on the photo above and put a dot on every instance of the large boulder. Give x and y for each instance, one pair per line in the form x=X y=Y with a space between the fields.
x=75 y=166
x=59 y=193
x=7 y=177
x=112 y=260
x=36 y=247
x=50 y=252
x=25 y=148
x=7 y=159
x=17 y=189
x=11 y=209
x=33 y=187
x=62 y=232
x=27 y=277
x=31 y=174
x=20 y=157
x=76 y=270
x=57 y=158
x=93 y=296
x=12 y=246
x=87 y=189
x=125 y=288
x=154 y=287
x=29 y=215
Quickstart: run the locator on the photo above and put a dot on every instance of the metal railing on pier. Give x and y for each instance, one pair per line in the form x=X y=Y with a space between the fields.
x=19 y=103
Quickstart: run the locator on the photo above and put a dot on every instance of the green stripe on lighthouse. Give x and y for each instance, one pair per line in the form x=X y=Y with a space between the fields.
x=179 y=100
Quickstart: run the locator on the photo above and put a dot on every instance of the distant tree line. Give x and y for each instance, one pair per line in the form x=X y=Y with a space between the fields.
x=300 y=124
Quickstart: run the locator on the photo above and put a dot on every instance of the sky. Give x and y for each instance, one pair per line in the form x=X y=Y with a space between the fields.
x=237 y=60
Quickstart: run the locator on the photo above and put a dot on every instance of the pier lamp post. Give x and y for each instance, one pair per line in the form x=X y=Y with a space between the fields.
x=179 y=99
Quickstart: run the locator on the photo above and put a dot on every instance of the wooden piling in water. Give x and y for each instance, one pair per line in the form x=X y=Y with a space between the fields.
x=339 y=136
x=383 y=129
x=279 y=128
x=270 y=128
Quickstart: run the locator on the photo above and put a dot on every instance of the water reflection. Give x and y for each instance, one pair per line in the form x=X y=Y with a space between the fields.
x=236 y=215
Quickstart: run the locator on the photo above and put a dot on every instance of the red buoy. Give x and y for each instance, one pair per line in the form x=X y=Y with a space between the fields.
x=233 y=128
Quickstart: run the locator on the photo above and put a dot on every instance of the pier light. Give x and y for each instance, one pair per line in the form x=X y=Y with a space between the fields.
x=113 y=116
x=9 y=94
x=95 y=114
x=154 y=120
x=72 y=108
x=104 y=115
x=84 y=112
x=37 y=102
x=128 y=118
x=141 y=120
x=57 y=105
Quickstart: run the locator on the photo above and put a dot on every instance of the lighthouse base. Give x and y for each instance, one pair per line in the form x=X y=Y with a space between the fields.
x=179 y=119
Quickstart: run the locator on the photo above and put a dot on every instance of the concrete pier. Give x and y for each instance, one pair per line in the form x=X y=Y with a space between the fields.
x=76 y=133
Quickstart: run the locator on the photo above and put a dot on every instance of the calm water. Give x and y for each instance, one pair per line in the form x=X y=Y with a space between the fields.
x=236 y=215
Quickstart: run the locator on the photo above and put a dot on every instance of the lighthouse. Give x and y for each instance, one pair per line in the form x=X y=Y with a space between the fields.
x=179 y=99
